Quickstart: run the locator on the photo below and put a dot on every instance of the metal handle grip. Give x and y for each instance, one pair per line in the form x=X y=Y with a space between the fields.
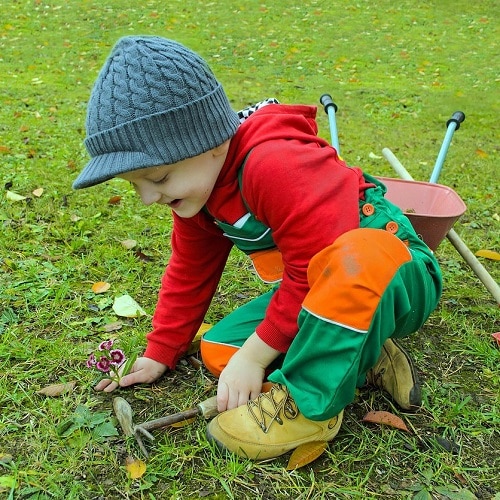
x=457 y=117
x=327 y=101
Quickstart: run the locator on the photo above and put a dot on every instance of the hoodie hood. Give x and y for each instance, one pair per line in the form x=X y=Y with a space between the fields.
x=271 y=122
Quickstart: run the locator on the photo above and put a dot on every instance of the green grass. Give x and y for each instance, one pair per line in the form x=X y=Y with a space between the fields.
x=397 y=72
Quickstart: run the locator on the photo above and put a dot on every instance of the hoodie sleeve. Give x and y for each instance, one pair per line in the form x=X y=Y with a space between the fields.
x=199 y=254
x=308 y=197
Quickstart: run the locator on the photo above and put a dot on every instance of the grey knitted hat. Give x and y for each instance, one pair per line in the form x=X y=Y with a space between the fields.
x=155 y=102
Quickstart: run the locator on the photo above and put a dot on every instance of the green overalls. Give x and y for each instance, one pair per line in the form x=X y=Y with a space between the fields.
x=364 y=288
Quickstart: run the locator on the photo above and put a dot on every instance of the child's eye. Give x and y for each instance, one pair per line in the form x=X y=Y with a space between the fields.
x=162 y=180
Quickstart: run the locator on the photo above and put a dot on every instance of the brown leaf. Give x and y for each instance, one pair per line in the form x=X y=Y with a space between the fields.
x=142 y=256
x=496 y=336
x=114 y=200
x=100 y=287
x=57 y=389
x=385 y=418
x=305 y=454
x=37 y=192
x=113 y=327
x=135 y=467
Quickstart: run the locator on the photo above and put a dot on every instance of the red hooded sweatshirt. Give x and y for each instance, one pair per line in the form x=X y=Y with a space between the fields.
x=294 y=183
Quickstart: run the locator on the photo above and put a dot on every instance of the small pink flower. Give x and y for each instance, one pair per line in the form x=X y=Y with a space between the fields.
x=103 y=364
x=117 y=357
x=106 y=345
x=92 y=361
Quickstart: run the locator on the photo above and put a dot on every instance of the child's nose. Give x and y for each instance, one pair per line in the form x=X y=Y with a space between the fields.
x=148 y=196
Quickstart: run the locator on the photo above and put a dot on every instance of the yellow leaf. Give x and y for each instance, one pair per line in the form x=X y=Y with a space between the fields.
x=135 y=467
x=488 y=254
x=183 y=423
x=195 y=344
x=37 y=192
x=305 y=454
x=385 y=418
x=481 y=153
x=57 y=389
x=100 y=287
x=11 y=196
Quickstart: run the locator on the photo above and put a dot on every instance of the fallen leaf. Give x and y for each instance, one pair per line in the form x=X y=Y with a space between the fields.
x=481 y=153
x=305 y=454
x=385 y=418
x=128 y=244
x=127 y=307
x=75 y=218
x=142 y=256
x=195 y=344
x=194 y=362
x=37 y=192
x=100 y=287
x=11 y=196
x=183 y=423
x=488 y=254
x=135 y=467
x=55 y=390
x=113 y=327
x=114 y=200
x=496 y=336
x=124 y=414
x=6 y=458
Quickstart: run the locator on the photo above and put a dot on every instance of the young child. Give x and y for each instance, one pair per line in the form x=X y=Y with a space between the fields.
x=350 y=272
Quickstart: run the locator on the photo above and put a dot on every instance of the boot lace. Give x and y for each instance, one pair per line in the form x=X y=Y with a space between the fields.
x=266 y=409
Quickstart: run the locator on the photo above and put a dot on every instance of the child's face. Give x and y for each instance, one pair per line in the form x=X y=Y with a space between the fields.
x=184 y=186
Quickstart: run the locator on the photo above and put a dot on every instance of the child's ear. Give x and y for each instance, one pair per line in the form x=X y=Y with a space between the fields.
x=222 y=149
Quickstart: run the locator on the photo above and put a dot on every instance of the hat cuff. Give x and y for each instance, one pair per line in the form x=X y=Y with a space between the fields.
x=163 y=138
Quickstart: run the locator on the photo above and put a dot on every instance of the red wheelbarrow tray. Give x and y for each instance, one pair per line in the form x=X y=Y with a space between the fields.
x=432 y=208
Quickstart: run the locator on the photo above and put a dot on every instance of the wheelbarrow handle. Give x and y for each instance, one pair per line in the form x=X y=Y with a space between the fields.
x=330 y=109
x=457 y=117
x=327 y=101
x=451 y=125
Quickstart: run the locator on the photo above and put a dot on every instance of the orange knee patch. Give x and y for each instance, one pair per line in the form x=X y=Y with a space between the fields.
x=348 y=278
x=216 y=356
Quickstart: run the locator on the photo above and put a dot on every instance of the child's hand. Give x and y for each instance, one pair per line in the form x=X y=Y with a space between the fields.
x=241 y=379
x=144 y=371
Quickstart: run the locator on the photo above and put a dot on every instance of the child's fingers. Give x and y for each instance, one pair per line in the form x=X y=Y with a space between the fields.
x=222 y=396
x=106 y=385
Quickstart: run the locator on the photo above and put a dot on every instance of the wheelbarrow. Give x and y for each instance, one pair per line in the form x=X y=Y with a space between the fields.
x=431 y=208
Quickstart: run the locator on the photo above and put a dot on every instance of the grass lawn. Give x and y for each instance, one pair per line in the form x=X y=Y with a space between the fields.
x=397 y=72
